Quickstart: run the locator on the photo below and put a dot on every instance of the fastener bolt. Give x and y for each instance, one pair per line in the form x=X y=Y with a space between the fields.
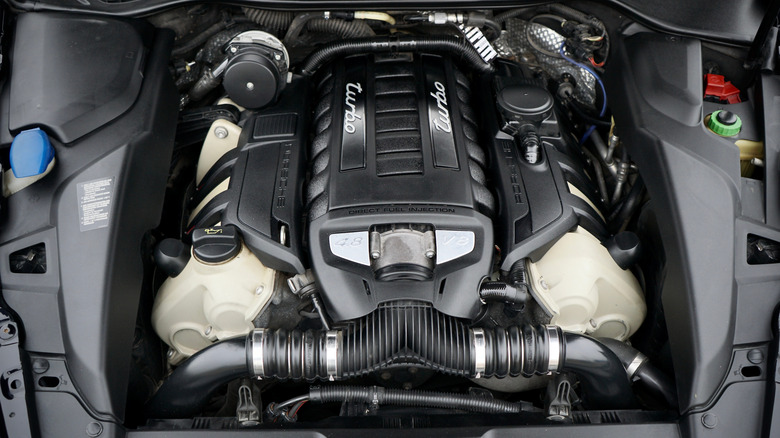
x=221 y=132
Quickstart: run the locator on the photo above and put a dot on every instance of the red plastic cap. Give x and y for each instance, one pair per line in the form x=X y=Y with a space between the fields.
x=721 y=89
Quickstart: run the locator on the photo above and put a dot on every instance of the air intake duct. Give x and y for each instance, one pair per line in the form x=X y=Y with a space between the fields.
x=400 y=334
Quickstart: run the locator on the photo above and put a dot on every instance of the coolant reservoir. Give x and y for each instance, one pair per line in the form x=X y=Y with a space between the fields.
x=221 y=290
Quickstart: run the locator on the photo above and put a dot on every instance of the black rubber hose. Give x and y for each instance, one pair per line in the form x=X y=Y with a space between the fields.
x=342 y=28
x=317 y=22
x=601 y=374
x=398 y=397
x=629 y=206
x=646 y=374
x=501 y=292
x=402 y=334
x=575 y=107
x=188 y=389
x=454 y=46
x=272 y=20
x=297 y=25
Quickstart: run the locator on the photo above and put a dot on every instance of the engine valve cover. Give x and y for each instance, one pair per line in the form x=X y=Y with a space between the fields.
x=398 y=207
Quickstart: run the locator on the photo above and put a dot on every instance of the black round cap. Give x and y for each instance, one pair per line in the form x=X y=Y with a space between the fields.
x=251 y=79
x=215 y=244
x=525 y=103
x=625 y=248
x=172 y=255
x=727 y=117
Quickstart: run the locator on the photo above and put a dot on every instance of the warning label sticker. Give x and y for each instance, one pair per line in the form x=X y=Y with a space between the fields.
x=94 y=203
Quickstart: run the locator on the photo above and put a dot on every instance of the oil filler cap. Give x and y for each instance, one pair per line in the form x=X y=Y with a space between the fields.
x=31 y=153
x=725 y=123
x=215 y=244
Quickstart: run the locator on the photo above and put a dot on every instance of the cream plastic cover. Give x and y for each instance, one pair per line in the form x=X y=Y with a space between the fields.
x=210 y=302
x=579 y=284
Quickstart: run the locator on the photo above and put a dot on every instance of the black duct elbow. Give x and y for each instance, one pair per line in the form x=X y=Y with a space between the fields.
x=189 y=387
x=638 y=367
x=404 y=334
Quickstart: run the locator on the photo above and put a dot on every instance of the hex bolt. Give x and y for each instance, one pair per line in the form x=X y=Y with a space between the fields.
x=221 y=132
x=250 y=86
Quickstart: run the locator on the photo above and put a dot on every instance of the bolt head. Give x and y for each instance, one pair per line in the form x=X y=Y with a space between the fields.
x=259 y=290
x=207 y=331
x=221 y=132
x=710 y=421
x=430 y=254
x=94 y=429
x=40 y=366
x=250 y=86
x=233 y=49
x=170 y=354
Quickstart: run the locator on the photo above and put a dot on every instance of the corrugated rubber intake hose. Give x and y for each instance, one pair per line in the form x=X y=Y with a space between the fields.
x=453 y=46
x=272 y=20
x=407 y=334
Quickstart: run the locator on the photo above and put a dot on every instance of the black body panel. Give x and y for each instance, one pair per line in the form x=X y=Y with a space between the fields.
x=50 y=87
x=83 y=308
x=713 y=300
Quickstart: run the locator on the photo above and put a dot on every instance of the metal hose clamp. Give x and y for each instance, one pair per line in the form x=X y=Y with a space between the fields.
x=332 y=353
x=480 y=353
x=258 y=346
x=633 y=367
x=554 y=344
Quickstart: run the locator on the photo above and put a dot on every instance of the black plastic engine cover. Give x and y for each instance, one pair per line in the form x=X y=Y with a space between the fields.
x=538 y=203
x=396 y=143
x=266 y=174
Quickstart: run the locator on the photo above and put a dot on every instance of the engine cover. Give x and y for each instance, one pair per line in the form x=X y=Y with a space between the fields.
x=398 y=207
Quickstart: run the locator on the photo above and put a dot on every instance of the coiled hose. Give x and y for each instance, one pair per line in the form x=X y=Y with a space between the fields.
x=396 y=334
x=453 y=46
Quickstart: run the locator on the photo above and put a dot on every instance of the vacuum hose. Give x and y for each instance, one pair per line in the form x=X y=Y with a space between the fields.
x=453 y=46
x=405 y=334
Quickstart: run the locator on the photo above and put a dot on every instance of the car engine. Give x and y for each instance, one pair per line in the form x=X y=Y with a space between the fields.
x=242 y=219
x=370 y=206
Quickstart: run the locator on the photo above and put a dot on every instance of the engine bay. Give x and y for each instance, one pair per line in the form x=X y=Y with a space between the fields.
x=278 y=220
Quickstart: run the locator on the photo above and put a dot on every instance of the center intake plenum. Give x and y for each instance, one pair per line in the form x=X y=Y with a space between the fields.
x=402 y=334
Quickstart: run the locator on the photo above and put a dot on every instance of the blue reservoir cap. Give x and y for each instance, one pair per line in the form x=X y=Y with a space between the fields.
x=31 y=153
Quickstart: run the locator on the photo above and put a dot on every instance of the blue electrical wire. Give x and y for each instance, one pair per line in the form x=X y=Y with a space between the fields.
x=601 y=85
